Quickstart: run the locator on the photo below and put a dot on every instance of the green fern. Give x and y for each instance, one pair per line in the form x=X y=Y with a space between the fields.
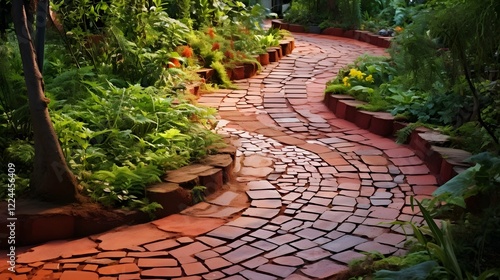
x=403 y=134
x=222 y=74
x=198 y=193
x=150 y=208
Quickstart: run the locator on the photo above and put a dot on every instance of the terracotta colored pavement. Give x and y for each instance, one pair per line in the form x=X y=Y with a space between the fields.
x=311 y=192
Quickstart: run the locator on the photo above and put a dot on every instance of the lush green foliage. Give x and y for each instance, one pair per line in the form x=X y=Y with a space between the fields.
x=439 y=66
x=481 y=179
x=107 y=120
x=462 y=245
x=116 y=74
x=389 y=14
x=15 y=125
x=377 y=81
x=325 y=13
x=372 y=15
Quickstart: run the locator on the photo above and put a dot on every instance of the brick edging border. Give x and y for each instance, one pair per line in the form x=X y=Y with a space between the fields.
x=48 y=222
x=360 y=35
x=444 y=163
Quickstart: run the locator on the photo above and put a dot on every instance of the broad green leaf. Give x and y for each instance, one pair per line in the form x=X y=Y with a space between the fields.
x=459 y=184
x=417 y=272
x=436 y=231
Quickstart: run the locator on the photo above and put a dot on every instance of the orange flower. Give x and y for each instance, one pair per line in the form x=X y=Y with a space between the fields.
x=187 y=51
x=211 y=32
x=215 y=46
x=229 y=54
x=174 y=63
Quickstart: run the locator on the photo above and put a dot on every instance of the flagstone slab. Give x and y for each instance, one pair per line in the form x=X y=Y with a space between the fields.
x=56 y=249
x=323 y=269
x=248 y=222
x=421 y=180
x=415 y=170
x=313 y=254
x=257 y=161
x=78 y=275
x=261 y=212
x=372 y=246
x=390 y=238
x=242 y=253
x=266 y=203
x=252 y=275
x=228 y=232
x=260 y=185
x=282 y=271
x=187 y=225
x=206 y=210
x=264 y=245
x=217 y=263
x=406 y=161
x=282 y=250
x=264 y=194
x=399 y=153
x=255 y=171
x=162 y=272
x=348 y=256
x=118 y=269
x=194 y=268
x=335 y=216
x=289 y=261
x=343 y=243
x=255 y=262
x=224 y=199
x=132 y=236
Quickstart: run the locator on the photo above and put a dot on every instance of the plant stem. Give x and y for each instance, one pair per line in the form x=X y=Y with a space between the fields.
x=477 y=105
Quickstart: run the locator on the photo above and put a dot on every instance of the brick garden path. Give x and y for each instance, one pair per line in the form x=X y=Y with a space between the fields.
x=311 y=191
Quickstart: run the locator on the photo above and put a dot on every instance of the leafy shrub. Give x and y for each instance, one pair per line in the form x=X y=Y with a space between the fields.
x=350 y=13
x=107 y=120
x=300 y=12
x=119 y=107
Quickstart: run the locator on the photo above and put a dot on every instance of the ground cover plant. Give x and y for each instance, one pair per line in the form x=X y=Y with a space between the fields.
x=117 y=77
x=441 y=71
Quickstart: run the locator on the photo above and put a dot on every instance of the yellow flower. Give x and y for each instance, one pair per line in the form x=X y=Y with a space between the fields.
x=346 y=81
x=369 y=79
x=356 y=74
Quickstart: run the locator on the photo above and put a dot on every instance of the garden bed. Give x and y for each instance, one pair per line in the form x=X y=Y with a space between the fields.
x=445 y=163
x=39 y=222
x=360 y=35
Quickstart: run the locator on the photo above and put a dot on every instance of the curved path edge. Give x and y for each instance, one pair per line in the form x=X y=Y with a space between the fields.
x=312 y=192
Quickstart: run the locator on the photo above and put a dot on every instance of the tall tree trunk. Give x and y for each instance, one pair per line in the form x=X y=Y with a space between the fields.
x=42 y=11
x=51 y=178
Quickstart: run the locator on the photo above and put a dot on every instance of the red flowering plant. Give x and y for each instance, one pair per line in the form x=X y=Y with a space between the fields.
x=211 y=32
x=185 y=51
x=215 y=46
x=175 y=60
